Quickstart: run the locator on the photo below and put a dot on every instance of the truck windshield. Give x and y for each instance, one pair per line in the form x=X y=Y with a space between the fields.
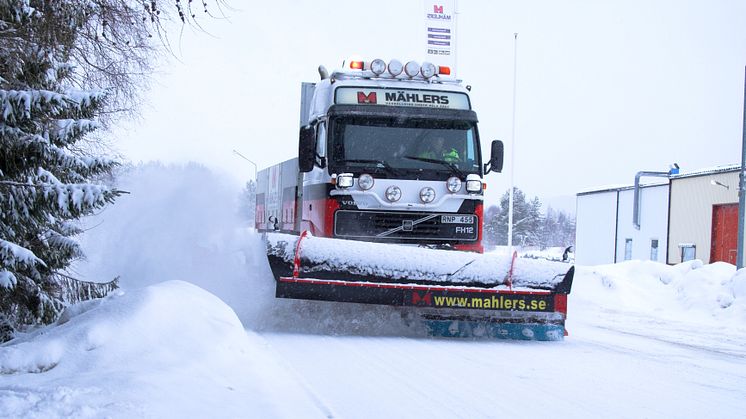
x=398 y=146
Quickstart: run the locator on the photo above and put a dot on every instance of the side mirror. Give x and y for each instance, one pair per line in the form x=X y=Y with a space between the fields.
x=306 y=149
x=496 y=158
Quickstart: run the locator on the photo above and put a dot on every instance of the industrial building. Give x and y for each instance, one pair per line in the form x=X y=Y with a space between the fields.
x=688 y=216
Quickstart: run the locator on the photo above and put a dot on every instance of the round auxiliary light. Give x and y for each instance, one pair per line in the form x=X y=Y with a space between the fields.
x=365 y=181
x=427 y=194
x=393 y=193
x=412 y=68
x=453 y=184
x=428 y=70
x=344 y=180
x=395 y=67
x=377 y=66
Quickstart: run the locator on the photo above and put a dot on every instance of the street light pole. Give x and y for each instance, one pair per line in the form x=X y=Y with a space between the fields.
x=512 y=147
x=245 y=158
x=252 y=191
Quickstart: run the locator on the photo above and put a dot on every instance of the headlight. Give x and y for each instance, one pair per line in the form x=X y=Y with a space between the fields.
x=393 y=193
x=365 y=181
x=427 y=194
x=344 y=180
x=453 y=184
x=428 y=70
x=473 y=185
x=377 y=66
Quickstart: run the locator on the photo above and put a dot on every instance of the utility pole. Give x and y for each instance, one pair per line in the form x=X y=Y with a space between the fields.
x=742 y=186
x=512 y=147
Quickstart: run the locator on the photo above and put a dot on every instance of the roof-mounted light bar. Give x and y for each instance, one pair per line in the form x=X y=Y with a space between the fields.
x=394 y=68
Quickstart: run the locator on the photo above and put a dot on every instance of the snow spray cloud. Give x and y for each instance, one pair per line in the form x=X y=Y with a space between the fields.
x=177 y=223
x=183 y=223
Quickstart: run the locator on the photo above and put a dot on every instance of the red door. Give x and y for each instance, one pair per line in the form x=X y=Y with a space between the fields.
x=724 y=233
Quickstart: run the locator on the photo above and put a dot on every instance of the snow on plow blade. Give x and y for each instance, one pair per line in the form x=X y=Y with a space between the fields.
x=459 y=294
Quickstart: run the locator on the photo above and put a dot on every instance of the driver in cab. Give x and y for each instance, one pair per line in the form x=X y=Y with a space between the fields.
x=439 y=151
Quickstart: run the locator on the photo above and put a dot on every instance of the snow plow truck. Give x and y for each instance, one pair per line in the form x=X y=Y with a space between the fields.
x=384 y=205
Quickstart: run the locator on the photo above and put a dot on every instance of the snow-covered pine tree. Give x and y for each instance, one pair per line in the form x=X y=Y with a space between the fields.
x=44 y=177
x=523 y=219
x=548 y=228
x=491 y=226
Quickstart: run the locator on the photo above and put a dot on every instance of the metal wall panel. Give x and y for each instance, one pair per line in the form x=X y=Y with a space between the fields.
x=692 y=200
x=653 y=223
x=595 y=228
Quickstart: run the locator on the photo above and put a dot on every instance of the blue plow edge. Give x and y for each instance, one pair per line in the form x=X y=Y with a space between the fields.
x=474 y=329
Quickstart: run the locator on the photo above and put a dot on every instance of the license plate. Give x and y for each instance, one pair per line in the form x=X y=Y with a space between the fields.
x=457 y=219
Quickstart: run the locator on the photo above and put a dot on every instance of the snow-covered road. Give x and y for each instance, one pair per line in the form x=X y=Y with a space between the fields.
x=599 y=371
x=646 y=340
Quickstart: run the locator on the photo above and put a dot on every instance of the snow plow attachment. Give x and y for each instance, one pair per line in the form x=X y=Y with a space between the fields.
x=457 y=294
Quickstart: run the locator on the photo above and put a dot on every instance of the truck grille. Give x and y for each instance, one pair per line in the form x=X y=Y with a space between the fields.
x=405 y=226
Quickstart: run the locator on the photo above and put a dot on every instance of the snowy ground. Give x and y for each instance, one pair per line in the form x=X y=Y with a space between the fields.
x=196 y=332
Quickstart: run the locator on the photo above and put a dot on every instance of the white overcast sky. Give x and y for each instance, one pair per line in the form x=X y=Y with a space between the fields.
x=605 y=88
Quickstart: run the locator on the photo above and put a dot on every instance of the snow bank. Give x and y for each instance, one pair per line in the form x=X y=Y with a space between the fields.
x=167 y=350
x=689 y=305
x=551 y=253
x=690 y=291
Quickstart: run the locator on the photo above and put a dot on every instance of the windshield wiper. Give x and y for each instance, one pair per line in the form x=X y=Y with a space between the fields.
x=382 y=163
x=447 y=164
